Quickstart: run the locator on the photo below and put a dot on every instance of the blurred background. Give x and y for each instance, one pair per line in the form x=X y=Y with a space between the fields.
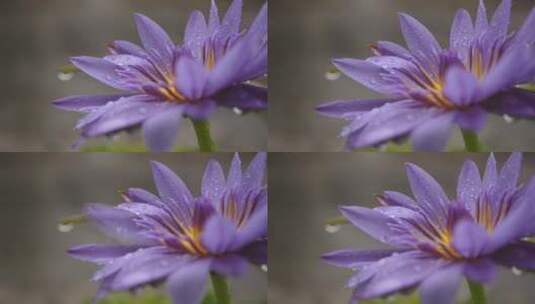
x=306 y=34
x=39 y=36
x=39 y=189
x=305 y=190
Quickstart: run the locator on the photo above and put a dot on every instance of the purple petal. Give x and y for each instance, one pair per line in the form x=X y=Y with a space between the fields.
x=509 y=174
x=520 y=255
x=234 y=178
x=196 y=33
x=101 y=70
x=469 y=238
x=218 y=234
x=146 y=269
x=481 y=271
x=170 y=187
x=427 y=191
x=347 y=108
x=256 y=253
x=254 y=174
x=100 y=253
x=500 y=20
x=473 y=118
x=482 y=22
x=213 y=181
x=160 y=131
x=491 y=174
x=191 y=77
x=516 y=103
x=526 y=34
x=138 y=195
x=387 y=48
x=121 y=47
x=254 y=229
x=231 y=21
x=462 y=32
x=394 y=198
x=116 y=223
x=200 y=110
x=433 y=134
x=244 y=97
x=365 y=73
x=442 y=286
x=461 y=86
x=85 y=103
x=213 y=20
x=420 y=41
x=259 y=26
x=370 y=221
x=355 y=258
x=229 y=265
x=469 y=185
x=188 y=284
x=153 y=37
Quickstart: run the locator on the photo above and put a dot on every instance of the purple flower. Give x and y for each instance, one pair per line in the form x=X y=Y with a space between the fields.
x=161 y=81
x=179 y=239
x=429 y=89
x=436 y=240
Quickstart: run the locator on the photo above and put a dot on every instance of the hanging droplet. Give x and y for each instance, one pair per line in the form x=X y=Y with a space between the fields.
x=516 y=271
x=332 y=228
x=65 y=76
x=237 y=111
x=65 y=227
x=264 y=268
x=508 y=119
x=332 y=75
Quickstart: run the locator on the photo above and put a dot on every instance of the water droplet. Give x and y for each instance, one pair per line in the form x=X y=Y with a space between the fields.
x=332 y=75
x=264 y=268
x=332 y=228
x=508 y=119
x=65 y=76
x=516 y=271
x=237 y=111
x=65 y=227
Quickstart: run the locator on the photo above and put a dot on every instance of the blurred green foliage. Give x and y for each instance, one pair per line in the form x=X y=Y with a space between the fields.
x=410 y=299
x=119 y=147
x=148 y=296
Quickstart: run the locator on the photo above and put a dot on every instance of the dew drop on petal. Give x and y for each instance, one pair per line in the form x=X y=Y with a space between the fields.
x=65 y=76
x=332 y=228
x=65 y=227
x=264 y=268
x=516 y=271
x=237 y=111
x=332 y=75
x=508 y=119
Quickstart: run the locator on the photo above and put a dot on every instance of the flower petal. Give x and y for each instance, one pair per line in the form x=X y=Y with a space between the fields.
x=101 y=70
x=482 y=22
x=442 y=286
x=356 y=258
x=433 y=134
x=500 y=20
x=234 y=178
x=509 y=174
x=213 y=181
x=525 y=34
x=347 y=108
x=256 y=171
x=218 y=234
x=461 y=86
x=160 y=131
x=121 y=47
x=473 y=119
x=469 y=185
x=191 y=77
x=491 y=175
x=420 y=42
x=462 y=32
x=231 y=21
x=364 y=72
x=213 y=20
x=138 y=195
x=244 y=97
x=154 y=37
x=470 y=239
x=256 y=252
x=254 y=229
x=229 y=265
x=188 y=284
x=520 y=255
x=85 y=103
x=370 y=221
x=170 y=187
x=515 y=102
x=481 y=271
x=100 y=253
x=196 y=33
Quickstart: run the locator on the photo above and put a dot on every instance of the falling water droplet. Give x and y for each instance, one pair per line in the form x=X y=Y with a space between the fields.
x=332 y=228
x=237 y=111
x=65 y=227
x=516 y=271
x=264 y=268
x=508 y=119
x=65 y=76
x=332 y=75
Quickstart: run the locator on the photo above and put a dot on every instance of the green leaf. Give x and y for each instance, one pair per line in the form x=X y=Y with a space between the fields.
x=398 y=299
x=147 y=296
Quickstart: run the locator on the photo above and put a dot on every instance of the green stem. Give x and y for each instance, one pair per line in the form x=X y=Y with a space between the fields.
x=221 y=289
x=477 y=292
x=471 y=142
x=202 y=129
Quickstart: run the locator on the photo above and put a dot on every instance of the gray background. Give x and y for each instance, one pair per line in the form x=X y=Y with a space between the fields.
x=39 y=189
x=304 y=191
x=39 y=36
x=306 y=34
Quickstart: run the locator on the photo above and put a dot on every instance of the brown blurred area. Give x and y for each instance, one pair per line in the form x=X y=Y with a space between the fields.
x=306 y=34
x=40 y=189
x=305 y=190
x=38 y=37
